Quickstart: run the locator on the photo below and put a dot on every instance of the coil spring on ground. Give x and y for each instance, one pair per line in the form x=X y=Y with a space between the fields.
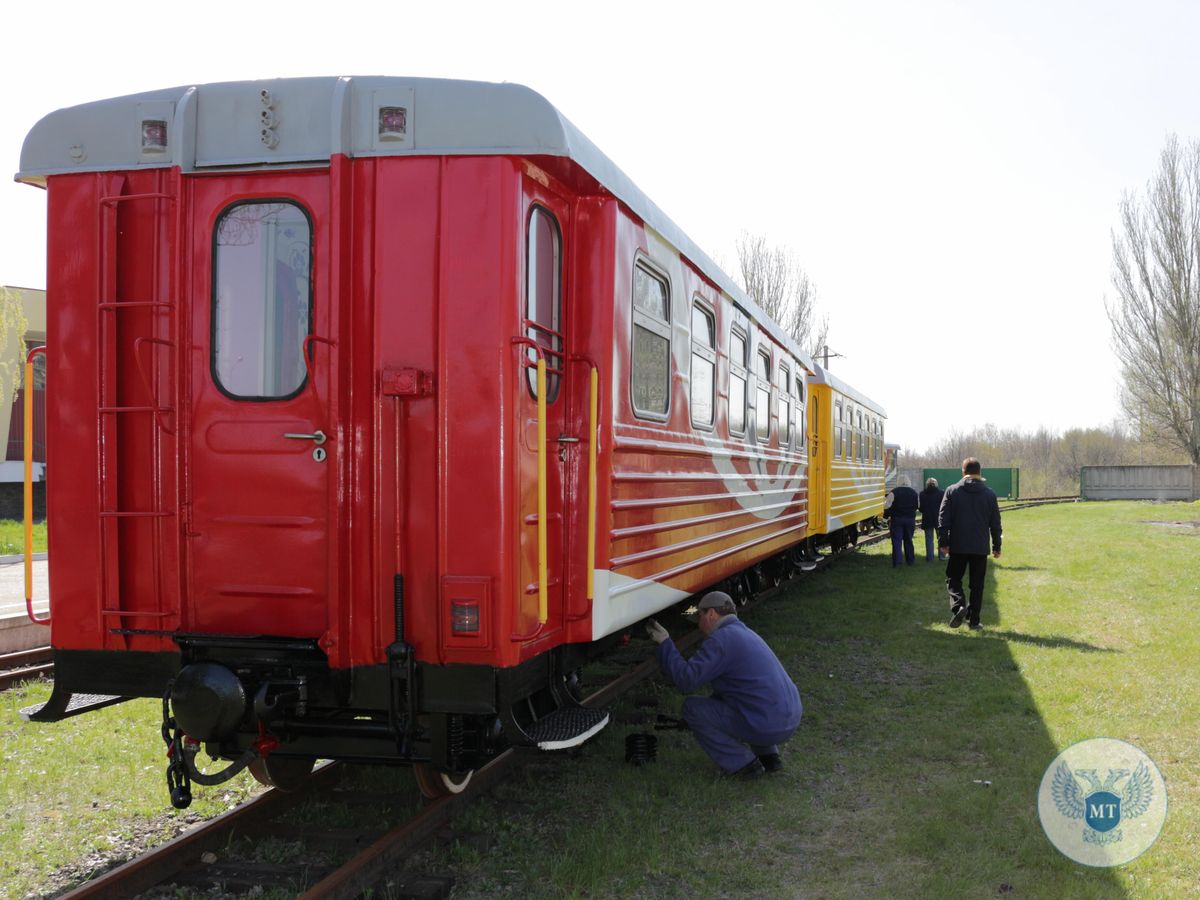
x=640 y=748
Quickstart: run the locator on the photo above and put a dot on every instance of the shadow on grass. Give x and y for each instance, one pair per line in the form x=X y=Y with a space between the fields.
x=1053 y=642
x=922 y=747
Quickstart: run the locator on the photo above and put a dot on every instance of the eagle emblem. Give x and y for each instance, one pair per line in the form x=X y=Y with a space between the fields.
x=1099 y=805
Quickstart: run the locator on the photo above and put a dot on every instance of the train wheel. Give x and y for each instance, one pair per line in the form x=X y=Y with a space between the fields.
x=282 y=773
x=435 y=783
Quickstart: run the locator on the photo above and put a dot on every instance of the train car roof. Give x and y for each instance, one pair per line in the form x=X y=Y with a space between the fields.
x=305 y=121
x=822 y=375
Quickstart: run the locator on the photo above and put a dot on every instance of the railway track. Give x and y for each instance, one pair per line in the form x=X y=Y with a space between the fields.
x=1026 y=503
x=352 y=856
x=245 y=849
x=25 y=665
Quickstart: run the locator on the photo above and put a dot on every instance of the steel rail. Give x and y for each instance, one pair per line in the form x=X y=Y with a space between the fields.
x=24 y=665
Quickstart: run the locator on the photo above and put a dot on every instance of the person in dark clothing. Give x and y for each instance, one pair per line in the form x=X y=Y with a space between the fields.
x=902 y=512
x=969 y=514
x=754 y=705
x=930 y=500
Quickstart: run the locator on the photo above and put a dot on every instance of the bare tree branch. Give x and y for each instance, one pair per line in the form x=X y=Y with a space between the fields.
x=775 y=279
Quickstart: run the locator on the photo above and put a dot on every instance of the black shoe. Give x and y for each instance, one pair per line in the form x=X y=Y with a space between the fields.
x=957 y=616
x=752 y=769
x=771 y=762
x=975 y=626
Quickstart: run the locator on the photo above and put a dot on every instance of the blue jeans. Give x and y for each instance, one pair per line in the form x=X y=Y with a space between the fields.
x=930 y=550
x=723 y=734
x=902 y=535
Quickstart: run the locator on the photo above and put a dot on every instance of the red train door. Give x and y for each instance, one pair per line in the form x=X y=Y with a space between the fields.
x=544 y=322
x=263 y=440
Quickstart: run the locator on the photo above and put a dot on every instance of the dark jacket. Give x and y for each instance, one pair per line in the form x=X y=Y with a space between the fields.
x=969 y=513
x=904 y=505
x=931 y=502
x=742 y=671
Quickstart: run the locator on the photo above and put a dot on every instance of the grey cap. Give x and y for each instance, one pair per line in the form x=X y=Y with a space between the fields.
x=714 y=600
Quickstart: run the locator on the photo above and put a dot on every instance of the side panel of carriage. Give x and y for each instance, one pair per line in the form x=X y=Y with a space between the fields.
x=709 y=465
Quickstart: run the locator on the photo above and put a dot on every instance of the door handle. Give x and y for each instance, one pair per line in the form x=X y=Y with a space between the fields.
x=317 y=437
x=567 y=439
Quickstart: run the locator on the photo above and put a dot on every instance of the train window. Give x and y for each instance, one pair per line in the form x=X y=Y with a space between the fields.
x=704 y=366
x=543 y=299
x=737 y=382
x=785 y=405
x=762 y=405
x=651 y=377
x=837 y=450
x=262 y=299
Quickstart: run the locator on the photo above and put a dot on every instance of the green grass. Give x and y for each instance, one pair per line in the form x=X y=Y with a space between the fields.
x=1090 y=630
x=12 y=537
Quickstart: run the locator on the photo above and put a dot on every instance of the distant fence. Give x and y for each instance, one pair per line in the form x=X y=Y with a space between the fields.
x=1139 y=482
x=1005 y=482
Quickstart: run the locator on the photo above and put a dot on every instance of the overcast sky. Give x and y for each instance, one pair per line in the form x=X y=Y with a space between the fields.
x=948 y=173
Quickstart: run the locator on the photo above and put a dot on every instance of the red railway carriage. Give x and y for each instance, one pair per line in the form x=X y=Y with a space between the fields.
x=379 y=404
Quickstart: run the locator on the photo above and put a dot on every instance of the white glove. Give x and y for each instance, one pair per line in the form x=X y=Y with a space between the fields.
x=656 y=631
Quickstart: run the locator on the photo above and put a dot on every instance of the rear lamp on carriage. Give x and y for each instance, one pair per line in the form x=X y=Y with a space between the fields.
x=154 y=136
x=393 y=123
x=464 y=617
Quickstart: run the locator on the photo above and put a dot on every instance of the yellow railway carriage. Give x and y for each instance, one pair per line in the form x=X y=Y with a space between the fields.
x=846 y=460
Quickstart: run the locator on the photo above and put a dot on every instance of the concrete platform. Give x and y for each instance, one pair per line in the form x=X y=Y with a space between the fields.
x=16 y=631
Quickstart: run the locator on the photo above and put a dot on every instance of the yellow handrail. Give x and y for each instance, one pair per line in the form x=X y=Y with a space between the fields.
x=543 y=603
x=594 y=401
x=28 y=441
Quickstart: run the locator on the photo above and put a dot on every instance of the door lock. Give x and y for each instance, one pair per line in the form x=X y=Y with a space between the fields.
x=563 y=440
x=317 y=437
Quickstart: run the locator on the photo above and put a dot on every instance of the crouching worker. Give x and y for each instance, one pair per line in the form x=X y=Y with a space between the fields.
x=754 y=706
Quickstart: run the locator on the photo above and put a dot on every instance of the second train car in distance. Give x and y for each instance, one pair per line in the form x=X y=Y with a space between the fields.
x=377 y=404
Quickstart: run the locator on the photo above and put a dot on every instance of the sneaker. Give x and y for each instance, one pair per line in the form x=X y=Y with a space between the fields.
x=975 y=626
x=958 y=614
x=771 y=762
x=752 y=769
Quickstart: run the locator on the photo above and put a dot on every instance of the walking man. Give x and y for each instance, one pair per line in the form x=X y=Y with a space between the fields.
x=754 y=705
x=968 y=516
x=903 y=515
x=931 y=501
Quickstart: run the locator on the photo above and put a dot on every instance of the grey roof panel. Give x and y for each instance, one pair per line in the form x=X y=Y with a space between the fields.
x=298 y=121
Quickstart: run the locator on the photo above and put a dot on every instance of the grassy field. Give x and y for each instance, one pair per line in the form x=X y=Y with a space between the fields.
x=12 y=537
x=914 y=773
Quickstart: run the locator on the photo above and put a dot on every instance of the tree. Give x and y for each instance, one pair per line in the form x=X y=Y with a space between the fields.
x=13 y=326
x=775 y=279
x=1156 y=315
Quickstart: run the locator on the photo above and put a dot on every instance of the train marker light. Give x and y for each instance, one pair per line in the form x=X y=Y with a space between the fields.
x=464 y=616
x=393 y=123
x=154 y=136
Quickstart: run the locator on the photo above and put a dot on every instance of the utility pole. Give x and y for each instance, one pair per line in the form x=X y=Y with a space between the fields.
x=826 y=356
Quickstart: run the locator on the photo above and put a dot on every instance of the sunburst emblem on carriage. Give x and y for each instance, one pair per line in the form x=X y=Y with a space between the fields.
x=1102 y=802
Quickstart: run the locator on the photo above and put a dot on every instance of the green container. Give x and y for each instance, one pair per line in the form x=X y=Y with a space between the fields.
x=1005 y=482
